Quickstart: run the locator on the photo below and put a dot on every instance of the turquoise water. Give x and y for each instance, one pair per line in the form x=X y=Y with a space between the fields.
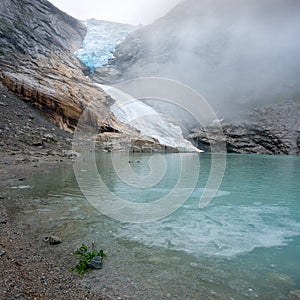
x=244 y=245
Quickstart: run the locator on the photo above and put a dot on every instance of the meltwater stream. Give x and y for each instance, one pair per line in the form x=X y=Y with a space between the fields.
x=244 y=245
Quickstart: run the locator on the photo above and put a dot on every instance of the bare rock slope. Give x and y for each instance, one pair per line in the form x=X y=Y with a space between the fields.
x=37 y=42
x=273 y=129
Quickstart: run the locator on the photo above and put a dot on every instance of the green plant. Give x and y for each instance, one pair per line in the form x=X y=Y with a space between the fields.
x=85 y=257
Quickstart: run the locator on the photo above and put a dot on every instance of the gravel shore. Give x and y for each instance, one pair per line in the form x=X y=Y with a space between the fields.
x=30 y=144
x=26 y=274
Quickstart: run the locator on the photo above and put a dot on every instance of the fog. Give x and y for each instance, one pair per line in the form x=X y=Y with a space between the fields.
x=237 y=54
x=124 y=11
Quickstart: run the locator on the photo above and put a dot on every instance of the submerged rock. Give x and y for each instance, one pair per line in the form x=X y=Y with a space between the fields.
x=96 y=263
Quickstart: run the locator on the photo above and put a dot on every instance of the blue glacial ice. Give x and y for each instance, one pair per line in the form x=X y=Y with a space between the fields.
x=101 y=40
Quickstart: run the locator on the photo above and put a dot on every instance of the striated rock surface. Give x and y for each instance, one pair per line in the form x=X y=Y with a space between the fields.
x=25 y=134
x=283 y=121
x=37 y=63
x=274 y=129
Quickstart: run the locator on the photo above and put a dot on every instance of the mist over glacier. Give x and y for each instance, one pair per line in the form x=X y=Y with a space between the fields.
x=237 y=54
x=97 y=48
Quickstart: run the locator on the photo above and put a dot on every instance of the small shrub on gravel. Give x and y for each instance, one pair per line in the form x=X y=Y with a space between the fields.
x=85 y=257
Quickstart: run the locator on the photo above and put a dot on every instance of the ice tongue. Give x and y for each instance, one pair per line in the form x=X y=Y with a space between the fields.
x=147 y=120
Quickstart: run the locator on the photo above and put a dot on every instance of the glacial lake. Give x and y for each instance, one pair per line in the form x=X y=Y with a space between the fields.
x=245 y=244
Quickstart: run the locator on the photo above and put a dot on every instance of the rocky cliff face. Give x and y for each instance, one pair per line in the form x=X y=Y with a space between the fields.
x=37 y=61
x=273 y=129
x=37 y=42
x=38 y=27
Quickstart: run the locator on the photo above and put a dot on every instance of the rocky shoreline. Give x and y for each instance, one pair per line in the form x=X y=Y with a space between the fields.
x=26 y=273
x=30 y=144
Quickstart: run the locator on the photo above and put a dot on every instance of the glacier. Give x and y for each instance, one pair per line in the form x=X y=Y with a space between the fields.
x=97 y=48
x=147 y=120
x=100 y=41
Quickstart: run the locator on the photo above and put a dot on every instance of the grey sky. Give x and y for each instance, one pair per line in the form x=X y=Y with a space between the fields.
x=125 y=11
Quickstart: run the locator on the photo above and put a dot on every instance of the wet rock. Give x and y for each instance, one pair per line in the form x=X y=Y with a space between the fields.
x=96 y=263
x=114 y=141
x=52 y=240
x=2 y=252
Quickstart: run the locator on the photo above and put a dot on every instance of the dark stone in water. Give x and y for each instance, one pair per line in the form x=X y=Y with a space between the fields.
x=96 y=263
x=2 y=252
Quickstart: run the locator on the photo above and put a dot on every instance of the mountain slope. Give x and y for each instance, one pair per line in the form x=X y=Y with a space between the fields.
x=37 y=63
x=235 y=53
x=38 y=27
x=240 y=55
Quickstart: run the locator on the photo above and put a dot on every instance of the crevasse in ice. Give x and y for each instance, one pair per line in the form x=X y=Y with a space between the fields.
x=101 y=40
